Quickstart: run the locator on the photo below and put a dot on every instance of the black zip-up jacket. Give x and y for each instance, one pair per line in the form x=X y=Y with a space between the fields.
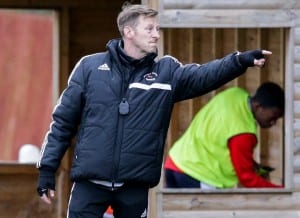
x=125 y=143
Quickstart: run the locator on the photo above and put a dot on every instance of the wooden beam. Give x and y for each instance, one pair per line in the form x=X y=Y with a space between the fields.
x=230 y=201
x=231 y=213
x=17 y=168
x=237 y=4
x=221 y=18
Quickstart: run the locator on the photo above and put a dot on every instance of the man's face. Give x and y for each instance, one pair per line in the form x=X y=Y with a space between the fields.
x=267 y=117
x=146 y=35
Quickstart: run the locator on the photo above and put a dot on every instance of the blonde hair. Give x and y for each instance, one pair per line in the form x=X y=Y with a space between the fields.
x=130 y=14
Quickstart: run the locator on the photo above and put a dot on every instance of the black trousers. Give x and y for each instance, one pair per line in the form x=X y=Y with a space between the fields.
x=180 y=180
x=90 y=200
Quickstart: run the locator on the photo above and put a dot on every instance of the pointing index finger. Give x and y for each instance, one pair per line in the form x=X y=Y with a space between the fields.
x=265 y=52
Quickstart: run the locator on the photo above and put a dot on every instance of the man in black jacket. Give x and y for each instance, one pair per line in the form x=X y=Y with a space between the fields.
x=118 y=104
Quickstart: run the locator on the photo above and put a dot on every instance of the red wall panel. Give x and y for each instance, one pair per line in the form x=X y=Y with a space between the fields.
x=25 y=80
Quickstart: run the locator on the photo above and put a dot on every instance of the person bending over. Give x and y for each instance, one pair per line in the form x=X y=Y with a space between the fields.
x=216 y=150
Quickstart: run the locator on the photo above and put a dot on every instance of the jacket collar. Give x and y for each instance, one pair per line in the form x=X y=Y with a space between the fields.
x=115 y=47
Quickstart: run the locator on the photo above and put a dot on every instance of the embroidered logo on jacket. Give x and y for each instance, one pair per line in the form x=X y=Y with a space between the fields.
x=150 y=76
x=103 y=67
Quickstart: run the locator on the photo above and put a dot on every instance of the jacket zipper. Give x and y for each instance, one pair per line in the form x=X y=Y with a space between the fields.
x=123 y=110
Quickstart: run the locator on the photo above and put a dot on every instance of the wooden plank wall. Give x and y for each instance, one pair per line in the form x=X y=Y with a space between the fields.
x=296 y=98
x=226 y=26
x=243 y=204
x=18 y=198
x=201 y=45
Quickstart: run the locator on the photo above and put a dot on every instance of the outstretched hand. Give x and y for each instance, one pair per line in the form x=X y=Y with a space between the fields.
x=253 y=58
x=261 y=62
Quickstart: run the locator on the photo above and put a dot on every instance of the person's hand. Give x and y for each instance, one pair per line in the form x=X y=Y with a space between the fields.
x=253 y=58
x=46 y=195
x=46 y=186
x=263 y=171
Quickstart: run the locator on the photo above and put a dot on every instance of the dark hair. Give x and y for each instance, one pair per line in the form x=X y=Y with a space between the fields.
x=130 y=13
x=270 y=94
